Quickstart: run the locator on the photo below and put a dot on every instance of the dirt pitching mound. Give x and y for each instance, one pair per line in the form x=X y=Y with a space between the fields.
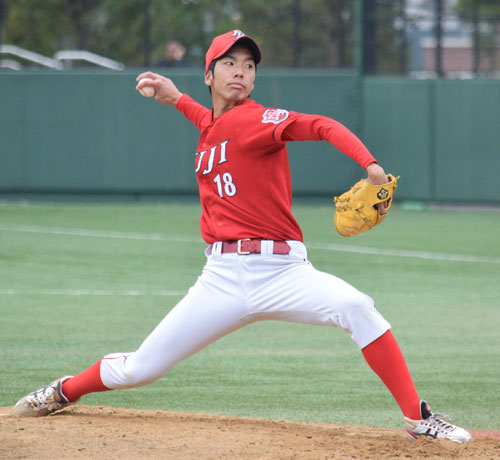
x=83 y=432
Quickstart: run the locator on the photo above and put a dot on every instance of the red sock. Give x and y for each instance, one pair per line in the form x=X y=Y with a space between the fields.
x=386 y=360
x=88 y=381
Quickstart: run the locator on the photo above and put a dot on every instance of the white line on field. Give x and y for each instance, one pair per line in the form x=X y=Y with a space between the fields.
x=406 y=253
x=98 y=233
x=82 y=292
x=318 y=246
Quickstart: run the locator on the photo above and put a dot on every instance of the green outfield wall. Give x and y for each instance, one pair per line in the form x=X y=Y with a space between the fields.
x=441 y=136
x=90 y=133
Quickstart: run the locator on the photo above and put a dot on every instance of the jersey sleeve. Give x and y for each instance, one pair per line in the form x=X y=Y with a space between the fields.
x=196 y=113
x=304 y=127
x=260 y=128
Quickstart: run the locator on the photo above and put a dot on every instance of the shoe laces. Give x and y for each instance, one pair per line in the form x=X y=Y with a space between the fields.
x=42 y=397
x=438 y=421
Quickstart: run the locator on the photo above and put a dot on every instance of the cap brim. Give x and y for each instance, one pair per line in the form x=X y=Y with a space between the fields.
x=252 y=46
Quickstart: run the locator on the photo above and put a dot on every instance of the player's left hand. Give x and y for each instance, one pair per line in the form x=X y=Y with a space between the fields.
x=377 y=176
x=366 y=204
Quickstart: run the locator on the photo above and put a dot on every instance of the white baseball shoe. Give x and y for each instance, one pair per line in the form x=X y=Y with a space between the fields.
x=433 y=426
x=42 y=402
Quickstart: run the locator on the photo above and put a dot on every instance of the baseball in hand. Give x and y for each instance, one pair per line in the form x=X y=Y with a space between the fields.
x=147 y=91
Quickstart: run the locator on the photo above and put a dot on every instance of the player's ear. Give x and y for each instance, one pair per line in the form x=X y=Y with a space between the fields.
x=209 y=77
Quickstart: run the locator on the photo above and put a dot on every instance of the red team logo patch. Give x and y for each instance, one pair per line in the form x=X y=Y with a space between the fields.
x=274 y=116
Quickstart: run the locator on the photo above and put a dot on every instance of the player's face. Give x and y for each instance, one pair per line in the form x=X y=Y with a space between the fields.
x=233 y=76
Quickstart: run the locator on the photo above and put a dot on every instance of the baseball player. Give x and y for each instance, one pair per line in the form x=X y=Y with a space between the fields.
x=257 y=266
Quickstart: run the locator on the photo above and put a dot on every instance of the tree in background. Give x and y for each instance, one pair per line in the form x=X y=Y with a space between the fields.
x=293 y=33
x=297 y=33
x=32 y=24
x=484 y=17
x=3 y=17
x=78 y=12
x=46 y=26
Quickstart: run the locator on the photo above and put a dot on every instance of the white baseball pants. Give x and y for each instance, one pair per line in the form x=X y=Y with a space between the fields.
x=236 y=290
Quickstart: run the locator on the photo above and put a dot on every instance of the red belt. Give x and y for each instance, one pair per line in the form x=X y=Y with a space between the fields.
x=249 y=246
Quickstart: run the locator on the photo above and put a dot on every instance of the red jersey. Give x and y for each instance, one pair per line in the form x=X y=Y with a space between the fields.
x=243 y=171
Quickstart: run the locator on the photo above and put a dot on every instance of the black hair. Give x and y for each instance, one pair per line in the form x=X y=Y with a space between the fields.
x=211 y=68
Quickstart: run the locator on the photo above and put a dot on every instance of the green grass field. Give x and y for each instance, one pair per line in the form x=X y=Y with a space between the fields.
x=78 y=281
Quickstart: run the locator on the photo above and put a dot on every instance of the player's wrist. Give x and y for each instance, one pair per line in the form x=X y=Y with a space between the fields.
x=177 y=99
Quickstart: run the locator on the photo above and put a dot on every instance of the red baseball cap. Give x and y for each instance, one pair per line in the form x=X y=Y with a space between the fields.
x=222 y=43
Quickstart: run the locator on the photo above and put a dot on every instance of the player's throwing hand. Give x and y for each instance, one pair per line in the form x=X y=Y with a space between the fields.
x=166 y=92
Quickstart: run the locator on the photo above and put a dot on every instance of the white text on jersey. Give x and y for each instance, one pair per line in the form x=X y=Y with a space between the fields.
x=222 y=154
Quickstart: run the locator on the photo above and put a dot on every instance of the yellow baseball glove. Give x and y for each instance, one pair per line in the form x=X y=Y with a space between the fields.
x=356 y=211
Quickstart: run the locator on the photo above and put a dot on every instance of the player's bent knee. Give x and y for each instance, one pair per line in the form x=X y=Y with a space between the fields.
x=363 y=320
x=357 y=303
